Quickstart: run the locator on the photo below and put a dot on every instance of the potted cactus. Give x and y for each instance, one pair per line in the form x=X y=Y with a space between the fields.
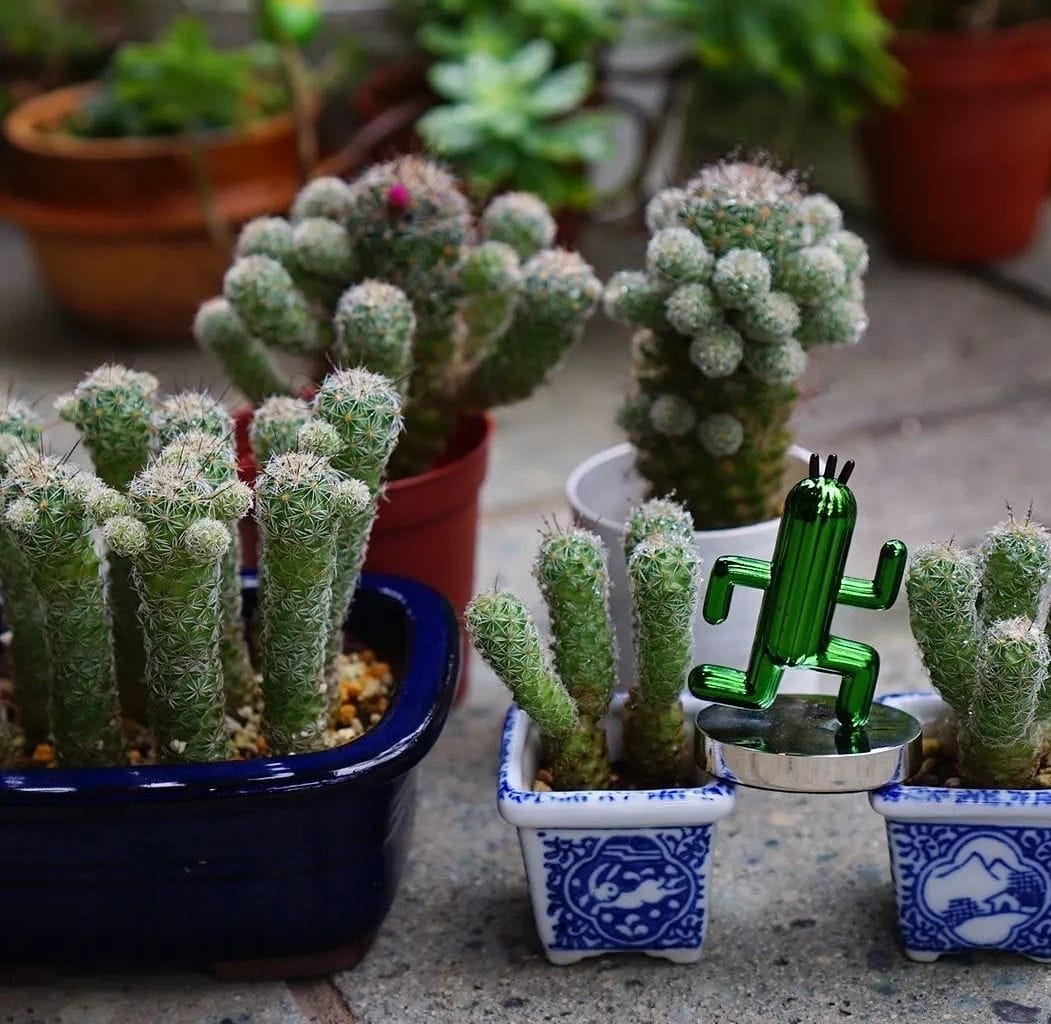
x=745 y=273
x=969 y=837
x=616 y=826
x=148 y=786
x=391 y=272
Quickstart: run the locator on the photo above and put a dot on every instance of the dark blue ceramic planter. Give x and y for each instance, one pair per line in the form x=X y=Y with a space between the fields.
x=276 y=867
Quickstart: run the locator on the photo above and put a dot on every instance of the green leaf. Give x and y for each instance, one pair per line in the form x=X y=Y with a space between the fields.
x=532 y=61
x=561 y=91
x=295 y=21
x=451 y=81
x=448 y=130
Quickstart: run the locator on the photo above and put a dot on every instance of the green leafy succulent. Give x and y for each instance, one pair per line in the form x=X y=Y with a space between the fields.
x=829 y=54
x=181 y=83
x=516 y=123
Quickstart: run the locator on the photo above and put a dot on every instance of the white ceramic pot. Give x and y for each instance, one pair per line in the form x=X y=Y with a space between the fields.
x=612 y=870
x=971 y=867
x=603 y=489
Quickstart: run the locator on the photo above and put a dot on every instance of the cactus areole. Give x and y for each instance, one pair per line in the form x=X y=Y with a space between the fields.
x=745 y=274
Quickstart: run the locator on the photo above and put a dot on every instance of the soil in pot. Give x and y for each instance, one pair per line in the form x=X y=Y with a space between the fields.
x=960 y=170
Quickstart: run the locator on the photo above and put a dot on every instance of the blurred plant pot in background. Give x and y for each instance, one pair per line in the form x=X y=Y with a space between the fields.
x=959 y=171
x=118 y=227
x=427 y=526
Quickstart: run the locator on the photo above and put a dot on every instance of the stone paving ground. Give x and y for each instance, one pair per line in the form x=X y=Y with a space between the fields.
x=947 y=409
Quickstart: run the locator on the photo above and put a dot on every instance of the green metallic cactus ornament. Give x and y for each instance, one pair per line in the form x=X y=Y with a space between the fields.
x=803 y=584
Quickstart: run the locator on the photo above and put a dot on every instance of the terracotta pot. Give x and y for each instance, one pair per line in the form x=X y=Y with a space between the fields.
x=959 y=172
x=427 y=525
x=116 y=225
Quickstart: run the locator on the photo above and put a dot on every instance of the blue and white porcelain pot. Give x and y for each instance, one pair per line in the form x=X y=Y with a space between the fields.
x=612 y=870
x=971 y=867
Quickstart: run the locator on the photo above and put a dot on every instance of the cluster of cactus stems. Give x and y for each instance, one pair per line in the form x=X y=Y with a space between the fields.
x=152 y=534
x=745 y=273
x=980 y=620
x=566 y=690
x=392 y=273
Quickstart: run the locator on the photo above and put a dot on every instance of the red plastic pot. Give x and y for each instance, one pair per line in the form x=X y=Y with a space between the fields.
x=427 y=525
x=960 y=170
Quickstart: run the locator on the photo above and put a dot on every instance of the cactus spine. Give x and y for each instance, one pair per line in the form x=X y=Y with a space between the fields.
x=663 y=579
x=569 y=698
x=571 y=571
x=23 y=608
x=390 y=273
x=744 y=274
x=176 y=537
x=50 y=511
x=302 y=502
x=112 y=409
x=506 y=637
x=204 y=427
x=978 y=618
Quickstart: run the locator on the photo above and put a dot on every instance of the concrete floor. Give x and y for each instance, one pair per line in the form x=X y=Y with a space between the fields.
x=947 y=409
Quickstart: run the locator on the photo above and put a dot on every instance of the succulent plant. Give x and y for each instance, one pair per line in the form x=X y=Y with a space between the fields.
x=174 y=522
x=744 y=275
x=979 y=619
x=568 y=697
x=24 y=613
x=50 y=510
x=391 y=273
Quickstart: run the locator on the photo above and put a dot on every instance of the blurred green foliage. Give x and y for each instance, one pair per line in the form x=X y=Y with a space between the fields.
x=180 y=83
x=515 y=123
x=825 y=55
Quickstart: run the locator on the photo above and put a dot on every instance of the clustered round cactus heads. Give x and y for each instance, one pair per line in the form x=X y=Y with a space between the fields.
x=391 y=273
x=276 y=424
x=663 y=576
x=50 y=510
x=188 y=411
x=979 y=620
x=176 y=535
x=505 y=635
x=302 y=504
x=744 y=274
x=571 y=570
x=568 y=698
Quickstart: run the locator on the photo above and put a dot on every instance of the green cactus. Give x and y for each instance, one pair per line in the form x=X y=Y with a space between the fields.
x=112 y=409
x=978 y=617
x=663 y=579
x=24 y=612
x=391 y=273
x=571 y=571
x=569 y=698
x=505 y=635
x=744 y=273
x=176 y=535
x=50 y=511
x=276 y=425
x=302 y=504
x=365 y=411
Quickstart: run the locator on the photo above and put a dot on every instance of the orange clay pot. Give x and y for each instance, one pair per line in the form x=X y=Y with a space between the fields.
x=116 y=225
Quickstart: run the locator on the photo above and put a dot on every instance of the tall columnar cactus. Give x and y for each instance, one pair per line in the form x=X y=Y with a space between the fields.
x=23 y=608
x=196 y=414
x=50 y=511
x=112 y=409
x=571 y=570
x=979 y=618
x=302 y=504
x=505 y=635
x=663 y=579
x=392 y=273
x=569 y=698
x=176 y=536
x=744 y=275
